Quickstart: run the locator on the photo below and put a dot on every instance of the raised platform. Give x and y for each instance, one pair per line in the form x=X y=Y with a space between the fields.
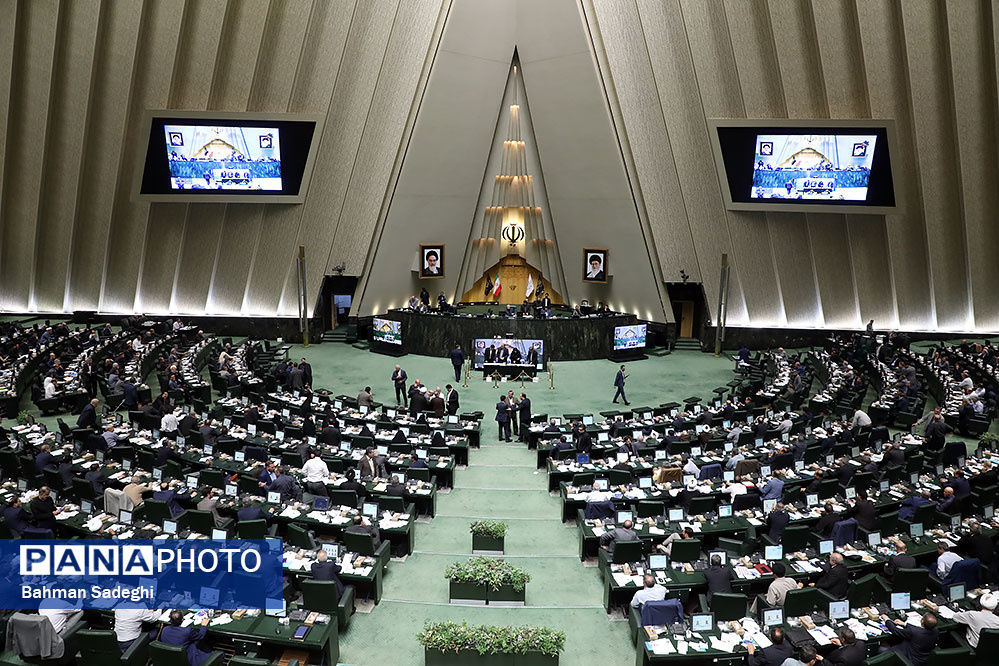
x=565 y=338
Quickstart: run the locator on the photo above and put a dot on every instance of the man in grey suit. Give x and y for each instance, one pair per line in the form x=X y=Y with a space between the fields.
x=619 y=383
x=623 y=533
x=210 y=503
x=296 y=378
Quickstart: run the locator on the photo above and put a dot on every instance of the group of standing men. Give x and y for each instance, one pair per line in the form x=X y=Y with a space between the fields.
x=509 y=410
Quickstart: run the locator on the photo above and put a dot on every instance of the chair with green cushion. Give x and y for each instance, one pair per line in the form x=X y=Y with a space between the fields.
x=343 y=498
x=164 y=654
x=156 y=511
x=100 y=648
x=321 y=596
x=949 y=656
x=255 y=529
x=299 y=537
x=861 y=592
x=583 y=479
x=203 y=522
x=650 y=509
x=914 y=581
x=618 y=477
x=364 y=544
x=988 y=647
x=887 y=659
x=627 y=551
x=391 y=503
x=726 y=606
x=419 y=473
x=794 y=538
x=685 y=550
x=84 y=489
x=700 y=506
x=212 y=477
x=801 y=602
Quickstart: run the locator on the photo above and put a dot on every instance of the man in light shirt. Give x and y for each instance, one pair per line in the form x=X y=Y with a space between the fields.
x=860 y=418
x=966 y=381
x=650 y=592
x=168 y=425
x=736 y=488
x=58 y=612
x=780 y=585
x=945 y=559
x=128 y=624
x=316 y=472
x=985 y=618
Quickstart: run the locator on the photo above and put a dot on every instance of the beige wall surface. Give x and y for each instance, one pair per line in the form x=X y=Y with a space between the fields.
x=620 y=94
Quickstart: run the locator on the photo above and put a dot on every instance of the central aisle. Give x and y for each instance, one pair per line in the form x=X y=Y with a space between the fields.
x=502 y=482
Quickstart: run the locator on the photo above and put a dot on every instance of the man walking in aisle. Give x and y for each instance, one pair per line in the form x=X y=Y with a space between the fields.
x=503 y=419
x=457 y=360
x=619 y=383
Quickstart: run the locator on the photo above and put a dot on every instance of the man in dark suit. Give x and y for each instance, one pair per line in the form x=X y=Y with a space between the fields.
x=719 y=578
x=331 y=433
x=418 y=402
x=975 y=544
x=415 y=462
x=437 y=405
x=88 y=417
x=451 y=397
x=16 y=517
x=352 y=484
x=324 y=569
x=186 y=637
x=366 y=466
x=489 y=355
x=834 y=579
x=826 y=521
x=776 y=522
x=864 y=512
x=165 y=453
x=396 y=488
x=503 y=419
x=97 y=480
x=399 y=378
x=43 y=509
x=524 y=411
x=900 y=560
x=285 y=485
x=917 y=642
x=894 y=456
x=44 y=458
x=773 y=655
x=130 y=394
x=166 y=494
x=619 y=383
x=502 y=354
x=849 y=651
x=306 y=369
x=362 y=525
x=252 y=415
x=250 y=511
x=457 y=360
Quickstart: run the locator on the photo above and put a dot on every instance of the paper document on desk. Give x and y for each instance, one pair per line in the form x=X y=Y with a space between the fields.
x=755 y=521
x=655 y=530
x=442 y=464
x=760 y=639
x=622 y=579
x=822 y=635
x=726 y=642
x=598 y=531
x=290 y=513
x=913 y=618
x=661 y=646
x=945 y=612
x=380 y=488
x=225 y=618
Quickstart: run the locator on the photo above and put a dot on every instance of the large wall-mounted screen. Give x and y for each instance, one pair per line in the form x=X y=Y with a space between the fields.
x=200 y=156
x=502 y=350
x=842 y=166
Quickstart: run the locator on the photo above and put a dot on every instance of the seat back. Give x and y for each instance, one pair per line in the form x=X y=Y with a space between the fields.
x=358 y=542
x=861 y=590
x=746 y=501
x=603 y=509
x=844 y=532
x=627 y=551
x=96 y=646
x=729 y=606
x=251 y=529
x=661 y=613
x=343 y=497
x=319 y=595
x=202 y=522
x=800 y=602
x=164 y=654
x=946 y=656
x=299 y=537
x=988 y=641
x=701 y=505
x=391 y=503
x=795 y=538
x=649 y=509
x=83 y=489
x=618 y=477
x=966 y=571
x=685 y=550
x=913 y=581
x=156 y=510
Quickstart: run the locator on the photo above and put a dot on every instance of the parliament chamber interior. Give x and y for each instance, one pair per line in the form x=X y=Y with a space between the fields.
x=499 y=332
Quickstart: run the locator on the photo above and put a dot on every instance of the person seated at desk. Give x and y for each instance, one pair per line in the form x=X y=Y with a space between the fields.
x=667 y=545
x=719 y=578
x=777 y=520
x=352 y=484
x=330 y=435
x=187 y=637
x=774 y=655
x=629 y=446
x=894 y=456
x=16 y=517
x=165 y=452
x=415 y=462
x=945 y=559
x=772 y=489
x=959 y=483
x=325 y=569
x=59 y=613
x=250 y=511
x=780 y=585
x=168 y=495
x=284 y=484
x=559 y=445
x=917 y=642
x=362 y=525
x=50 y=386
x=111 y=439
x=44 y=458
x=907 y=510
x=976 y=620
x=396 y=488
x=135 y=489
x=900 y=560
x=826 y=521
x=623 y=533
x=975 y=544
x=835 y=578
x=532 y=355
x=209 y=502
x=863 y=511
x=43 y=509
x=849 y=651
x=128 y=624
x=948 y=503
x=651 y=591
x=735 y=488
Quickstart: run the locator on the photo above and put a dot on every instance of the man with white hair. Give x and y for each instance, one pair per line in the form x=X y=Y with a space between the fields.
x=976 y=620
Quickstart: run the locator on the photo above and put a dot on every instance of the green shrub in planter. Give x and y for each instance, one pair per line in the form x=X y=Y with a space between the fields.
x=458 y=643
x=495 y=572
x=488 y=537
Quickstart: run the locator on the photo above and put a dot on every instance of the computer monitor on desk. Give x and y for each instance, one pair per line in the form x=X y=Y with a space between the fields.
x=702 y=622
x=839 y=610
x=675 y=515
x=900 y=601
x=725 y=511
x=955 y=592
x=773 y=617
x=658 y=561
x=826 y=546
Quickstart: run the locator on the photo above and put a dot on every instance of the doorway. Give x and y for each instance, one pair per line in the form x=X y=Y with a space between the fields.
x=689 y=308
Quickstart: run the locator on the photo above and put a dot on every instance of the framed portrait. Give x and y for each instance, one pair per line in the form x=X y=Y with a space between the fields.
x=594 y=265
x=431 y=261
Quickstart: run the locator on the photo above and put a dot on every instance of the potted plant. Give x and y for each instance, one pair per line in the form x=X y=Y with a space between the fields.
x=453 y=643
x=488 y=537
x=481 y=579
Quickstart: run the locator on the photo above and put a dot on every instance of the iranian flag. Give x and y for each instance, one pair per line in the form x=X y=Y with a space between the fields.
x=497 y=286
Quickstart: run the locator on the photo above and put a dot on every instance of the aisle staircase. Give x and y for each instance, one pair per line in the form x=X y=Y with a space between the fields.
x=336 y=335
x=687 y=344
